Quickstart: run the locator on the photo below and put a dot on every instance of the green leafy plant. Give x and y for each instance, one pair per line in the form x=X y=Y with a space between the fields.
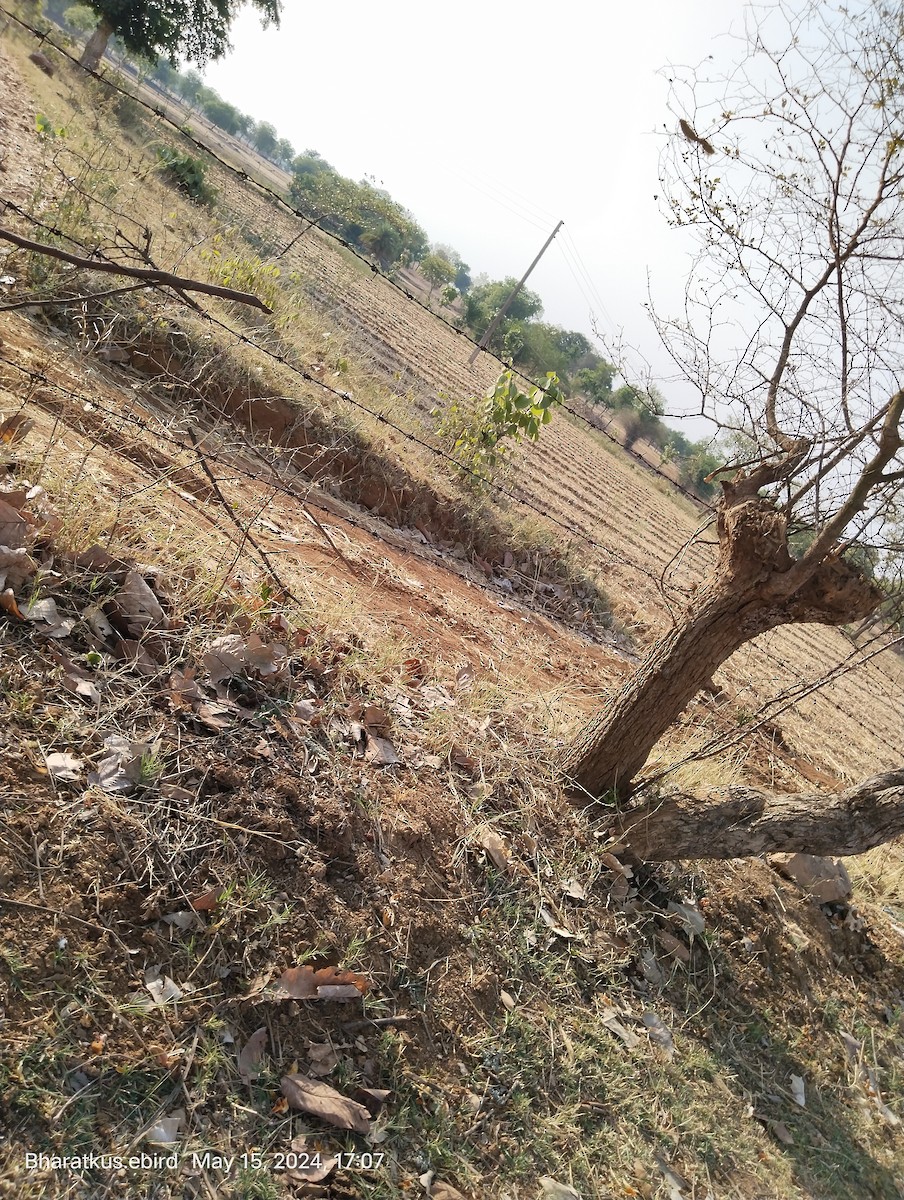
x=245 y=272
x=483 y=432
x=46 y=128
x=187 y=173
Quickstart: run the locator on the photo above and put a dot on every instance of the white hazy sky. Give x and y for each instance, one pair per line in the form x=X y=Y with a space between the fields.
x=491 y=120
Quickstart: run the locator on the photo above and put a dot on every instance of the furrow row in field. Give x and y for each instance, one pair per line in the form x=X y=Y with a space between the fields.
x=608 y=508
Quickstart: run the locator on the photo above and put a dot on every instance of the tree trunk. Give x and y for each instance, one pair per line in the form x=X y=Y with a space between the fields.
x=737 y=822
x=609 y=751
x=748 y=594
x=96 y=45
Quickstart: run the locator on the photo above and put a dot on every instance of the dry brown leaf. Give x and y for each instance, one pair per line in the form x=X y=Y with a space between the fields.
x=325 y=983
x=46 y=610
x=322 y=1057
x=64 y=766
x=96 y=558
x=613 y=864
x=672 y=946
x=781 y=1132
x=676 y=1183
x=140 y=606
x=16 y=566
x=373 y=1099
x=413 y=670
x=13 y=527
x=459 y=758
x=225 y=658
x=376 y=720
x=228 y=656
x=120 y=771
x=215 y=716
x=609 y=1018
x=183 y=920
x=305 y=710
x=8 y=603
x=559 y=930
x=14 y=428
x=496 y=849
x=207 y=902
x=689 y=917
x=574 y=890
x=267 y=658
x=166 y=1131
x=16 y=498
x=76 y=679
x=464 y=678
x=553 y=1190
x=660 y=1034
x=162 y=990
x=379 y=752
x=444 y=1191
x=317 y=1165
x=434 y=695
x=252 y=1054
x=184 y=687
x=320 y=1100
x=96 y=620
x=132 y=652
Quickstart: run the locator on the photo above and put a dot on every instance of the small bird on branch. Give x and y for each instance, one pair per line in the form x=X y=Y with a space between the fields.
x=688 y=131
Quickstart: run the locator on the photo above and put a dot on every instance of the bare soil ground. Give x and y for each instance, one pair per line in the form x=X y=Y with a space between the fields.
x=535 y=1007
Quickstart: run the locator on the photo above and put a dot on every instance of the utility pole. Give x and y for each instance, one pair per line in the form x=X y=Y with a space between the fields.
x=495 y=321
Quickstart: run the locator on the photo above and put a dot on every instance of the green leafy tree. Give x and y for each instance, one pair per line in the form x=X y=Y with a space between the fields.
x=696 y=464
x=284 y=153
x=384 y=243
x=484 y=301
x=576 y=348
x=80 y=19
x=462 y=280
x=265 y=139
x=222 y=114
x=196 y=30
x=187 y=85
x=438 y=271
x=355 y=211
x=595 y=383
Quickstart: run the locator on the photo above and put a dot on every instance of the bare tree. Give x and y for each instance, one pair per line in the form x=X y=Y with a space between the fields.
x=793 y=336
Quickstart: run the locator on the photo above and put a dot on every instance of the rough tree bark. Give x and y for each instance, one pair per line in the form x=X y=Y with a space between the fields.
x=739 y=821
x=756 y=587
x=96 y=45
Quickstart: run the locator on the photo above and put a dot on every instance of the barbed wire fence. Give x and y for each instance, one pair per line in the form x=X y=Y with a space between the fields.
x=287 y=209
x=189 y=461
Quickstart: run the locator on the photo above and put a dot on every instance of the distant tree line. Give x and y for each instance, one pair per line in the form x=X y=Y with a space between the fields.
x=359 y=212
x=640 y=414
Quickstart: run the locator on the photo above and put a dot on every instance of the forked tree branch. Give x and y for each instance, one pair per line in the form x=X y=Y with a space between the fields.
x=152 y=276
